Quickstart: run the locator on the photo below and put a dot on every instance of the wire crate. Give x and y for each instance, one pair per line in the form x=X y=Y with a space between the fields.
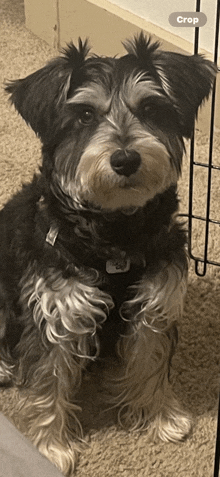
x=210 y=215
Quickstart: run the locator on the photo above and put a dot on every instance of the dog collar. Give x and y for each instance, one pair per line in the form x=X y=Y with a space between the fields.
x=120 y=263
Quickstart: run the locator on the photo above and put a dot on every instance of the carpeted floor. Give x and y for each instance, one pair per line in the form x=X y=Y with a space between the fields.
x=111 y=451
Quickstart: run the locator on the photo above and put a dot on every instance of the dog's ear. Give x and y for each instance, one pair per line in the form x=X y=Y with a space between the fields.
x=38 y=96
x=188 y=81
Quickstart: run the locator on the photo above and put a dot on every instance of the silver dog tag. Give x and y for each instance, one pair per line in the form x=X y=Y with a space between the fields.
x=118 y=266
x=52 y=234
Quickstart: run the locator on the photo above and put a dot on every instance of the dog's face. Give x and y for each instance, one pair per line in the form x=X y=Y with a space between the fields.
x=113 y=128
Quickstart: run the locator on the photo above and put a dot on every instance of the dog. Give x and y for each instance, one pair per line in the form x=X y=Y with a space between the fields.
x=93 y=256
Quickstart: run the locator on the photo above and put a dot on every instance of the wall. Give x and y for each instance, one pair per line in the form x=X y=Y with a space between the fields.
x=158 y=11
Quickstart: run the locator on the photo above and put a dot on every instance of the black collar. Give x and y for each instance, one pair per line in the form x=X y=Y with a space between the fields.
x=66 y=239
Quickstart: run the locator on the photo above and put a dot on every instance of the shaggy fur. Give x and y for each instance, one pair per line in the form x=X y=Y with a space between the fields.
x=93 y=258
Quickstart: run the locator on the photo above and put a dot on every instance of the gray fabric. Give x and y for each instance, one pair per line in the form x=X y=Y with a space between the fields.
x=18 y=457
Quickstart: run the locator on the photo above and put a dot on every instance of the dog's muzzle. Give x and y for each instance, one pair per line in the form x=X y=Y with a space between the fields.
x=125 y=162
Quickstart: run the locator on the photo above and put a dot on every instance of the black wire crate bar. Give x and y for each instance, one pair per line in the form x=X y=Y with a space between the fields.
x=206 y=219
x=203 y=259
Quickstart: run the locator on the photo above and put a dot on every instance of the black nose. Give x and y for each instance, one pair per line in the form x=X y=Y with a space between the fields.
x=125 y=162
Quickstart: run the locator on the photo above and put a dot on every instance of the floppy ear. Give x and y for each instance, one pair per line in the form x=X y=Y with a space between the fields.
x=187 y=80
x=38 y=96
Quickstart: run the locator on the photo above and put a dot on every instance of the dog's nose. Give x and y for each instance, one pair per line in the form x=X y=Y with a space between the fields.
x=125 y=162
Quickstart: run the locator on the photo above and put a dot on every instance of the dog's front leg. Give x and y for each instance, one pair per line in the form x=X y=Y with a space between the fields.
x=60 y=317
x=47 y=414
x=145 y=396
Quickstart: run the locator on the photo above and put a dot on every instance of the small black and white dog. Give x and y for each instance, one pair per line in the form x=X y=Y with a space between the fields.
x=92 y=256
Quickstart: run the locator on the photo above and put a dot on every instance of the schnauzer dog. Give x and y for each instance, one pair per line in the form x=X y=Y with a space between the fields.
x=93 y=258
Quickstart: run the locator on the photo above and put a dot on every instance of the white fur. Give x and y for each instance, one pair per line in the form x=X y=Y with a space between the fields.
x=71 y=310
x=159 y=299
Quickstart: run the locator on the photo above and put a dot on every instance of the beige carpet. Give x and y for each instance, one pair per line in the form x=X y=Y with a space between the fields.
x=111 y=451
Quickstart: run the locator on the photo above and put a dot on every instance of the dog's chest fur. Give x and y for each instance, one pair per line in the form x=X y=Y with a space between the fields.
x=88 y=242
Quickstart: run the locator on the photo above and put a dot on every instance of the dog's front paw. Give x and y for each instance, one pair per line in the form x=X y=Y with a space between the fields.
x=171 y=424
x=63 y=457
x=166 y=421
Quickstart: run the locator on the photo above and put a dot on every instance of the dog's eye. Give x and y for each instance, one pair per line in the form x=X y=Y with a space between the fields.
x=151 y=111
x=161 y=113
x=87 y=116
